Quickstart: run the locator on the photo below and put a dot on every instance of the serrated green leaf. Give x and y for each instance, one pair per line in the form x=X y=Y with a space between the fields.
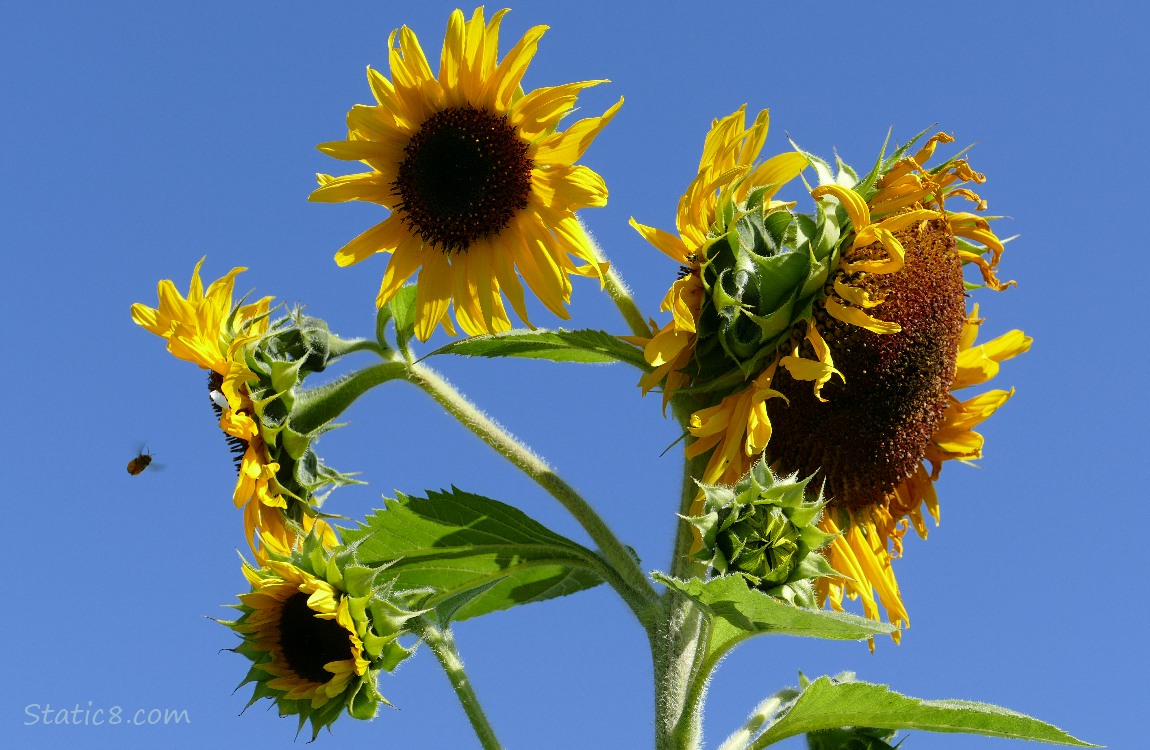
x=830 y=704
x=586 y=345
x=741 y=612
x=476 y=554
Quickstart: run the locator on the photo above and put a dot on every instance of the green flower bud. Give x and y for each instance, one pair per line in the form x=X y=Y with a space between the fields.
x=761 y=276
x=764 y=530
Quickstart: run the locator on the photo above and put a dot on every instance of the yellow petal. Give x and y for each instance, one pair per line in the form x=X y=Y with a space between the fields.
x=854 y=204
x=857 y=317
x=433 y=294
x=383 y=237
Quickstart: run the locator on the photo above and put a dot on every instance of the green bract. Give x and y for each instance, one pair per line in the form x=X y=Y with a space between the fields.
x=292 y=349
x=763 y=530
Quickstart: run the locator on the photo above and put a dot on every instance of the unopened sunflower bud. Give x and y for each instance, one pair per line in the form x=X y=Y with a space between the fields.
x=764 y=530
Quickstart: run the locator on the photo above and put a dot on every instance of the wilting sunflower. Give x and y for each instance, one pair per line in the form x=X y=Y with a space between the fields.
x=481 y=185
x=209 y=330
x=317 y=636
x=833 y=345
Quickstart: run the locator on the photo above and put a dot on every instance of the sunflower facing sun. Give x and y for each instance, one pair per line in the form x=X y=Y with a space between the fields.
x=832 y=344
x=481 y=184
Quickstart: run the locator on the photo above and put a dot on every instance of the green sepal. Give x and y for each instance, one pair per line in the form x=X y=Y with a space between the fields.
x=453 y=543
x=851 y=738
x=584 y=346
x=402 y=313
x=832 y=703
x=364 y=703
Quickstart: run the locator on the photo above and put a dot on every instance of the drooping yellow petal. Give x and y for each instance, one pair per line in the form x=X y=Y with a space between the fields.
x=855 y=205
x=857 y=317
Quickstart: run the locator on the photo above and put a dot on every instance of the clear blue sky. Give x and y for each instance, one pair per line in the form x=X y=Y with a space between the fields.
x=139 y=136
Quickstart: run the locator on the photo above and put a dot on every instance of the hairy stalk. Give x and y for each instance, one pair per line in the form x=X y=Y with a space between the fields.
x=628 y=579
x=762 y=714
x=442 y=644
x=621 y=295
x=680 y=650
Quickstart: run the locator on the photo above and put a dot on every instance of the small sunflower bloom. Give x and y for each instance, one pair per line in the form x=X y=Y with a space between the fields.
x=318 y=632
x=481 y=184
x=845 y=369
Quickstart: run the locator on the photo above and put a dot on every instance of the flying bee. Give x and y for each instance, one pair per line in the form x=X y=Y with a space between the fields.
x=142 y=460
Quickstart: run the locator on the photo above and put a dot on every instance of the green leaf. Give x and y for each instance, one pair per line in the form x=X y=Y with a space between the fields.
x=402 y=307
x=851 y=738
x=476 y=555
x=831 y=704
x=587 y=345
x=741 y=612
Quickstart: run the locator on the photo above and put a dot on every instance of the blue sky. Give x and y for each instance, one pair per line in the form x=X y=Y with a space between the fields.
x=139 y=137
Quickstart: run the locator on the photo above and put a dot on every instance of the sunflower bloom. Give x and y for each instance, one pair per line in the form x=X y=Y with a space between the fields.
x=209 y=330
x=317 y=640
x=844 y=368
x=481 y=185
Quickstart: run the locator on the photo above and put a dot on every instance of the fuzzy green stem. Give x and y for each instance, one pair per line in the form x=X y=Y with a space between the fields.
x=629 y=579
x=619 y=293
x=315 y=407
x=442 y=644
x=343 y=347
x=760 y=716
x=677 y=649
x=623 y=300
x=680 y=651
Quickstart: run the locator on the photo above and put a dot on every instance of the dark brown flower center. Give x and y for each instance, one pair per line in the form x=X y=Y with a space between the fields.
x=874 y=429
x=308 y=642
x=464 y=177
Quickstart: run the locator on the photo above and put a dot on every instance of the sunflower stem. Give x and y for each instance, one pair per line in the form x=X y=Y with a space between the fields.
x=681 y=667
x=623 y=300
x=621 y=296
x=629 y=580
x=442 y=644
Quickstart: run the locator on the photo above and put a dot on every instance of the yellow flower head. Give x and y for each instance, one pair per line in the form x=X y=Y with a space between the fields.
x=841 y=337
x=207 y=328
x=318 y=630
x=481 y=185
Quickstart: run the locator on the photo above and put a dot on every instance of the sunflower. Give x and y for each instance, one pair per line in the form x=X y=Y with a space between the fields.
x=726 y=175
x=481 y=185
x=209 y=330
x=857 y=391
x=316 y=638
x=304 y=626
